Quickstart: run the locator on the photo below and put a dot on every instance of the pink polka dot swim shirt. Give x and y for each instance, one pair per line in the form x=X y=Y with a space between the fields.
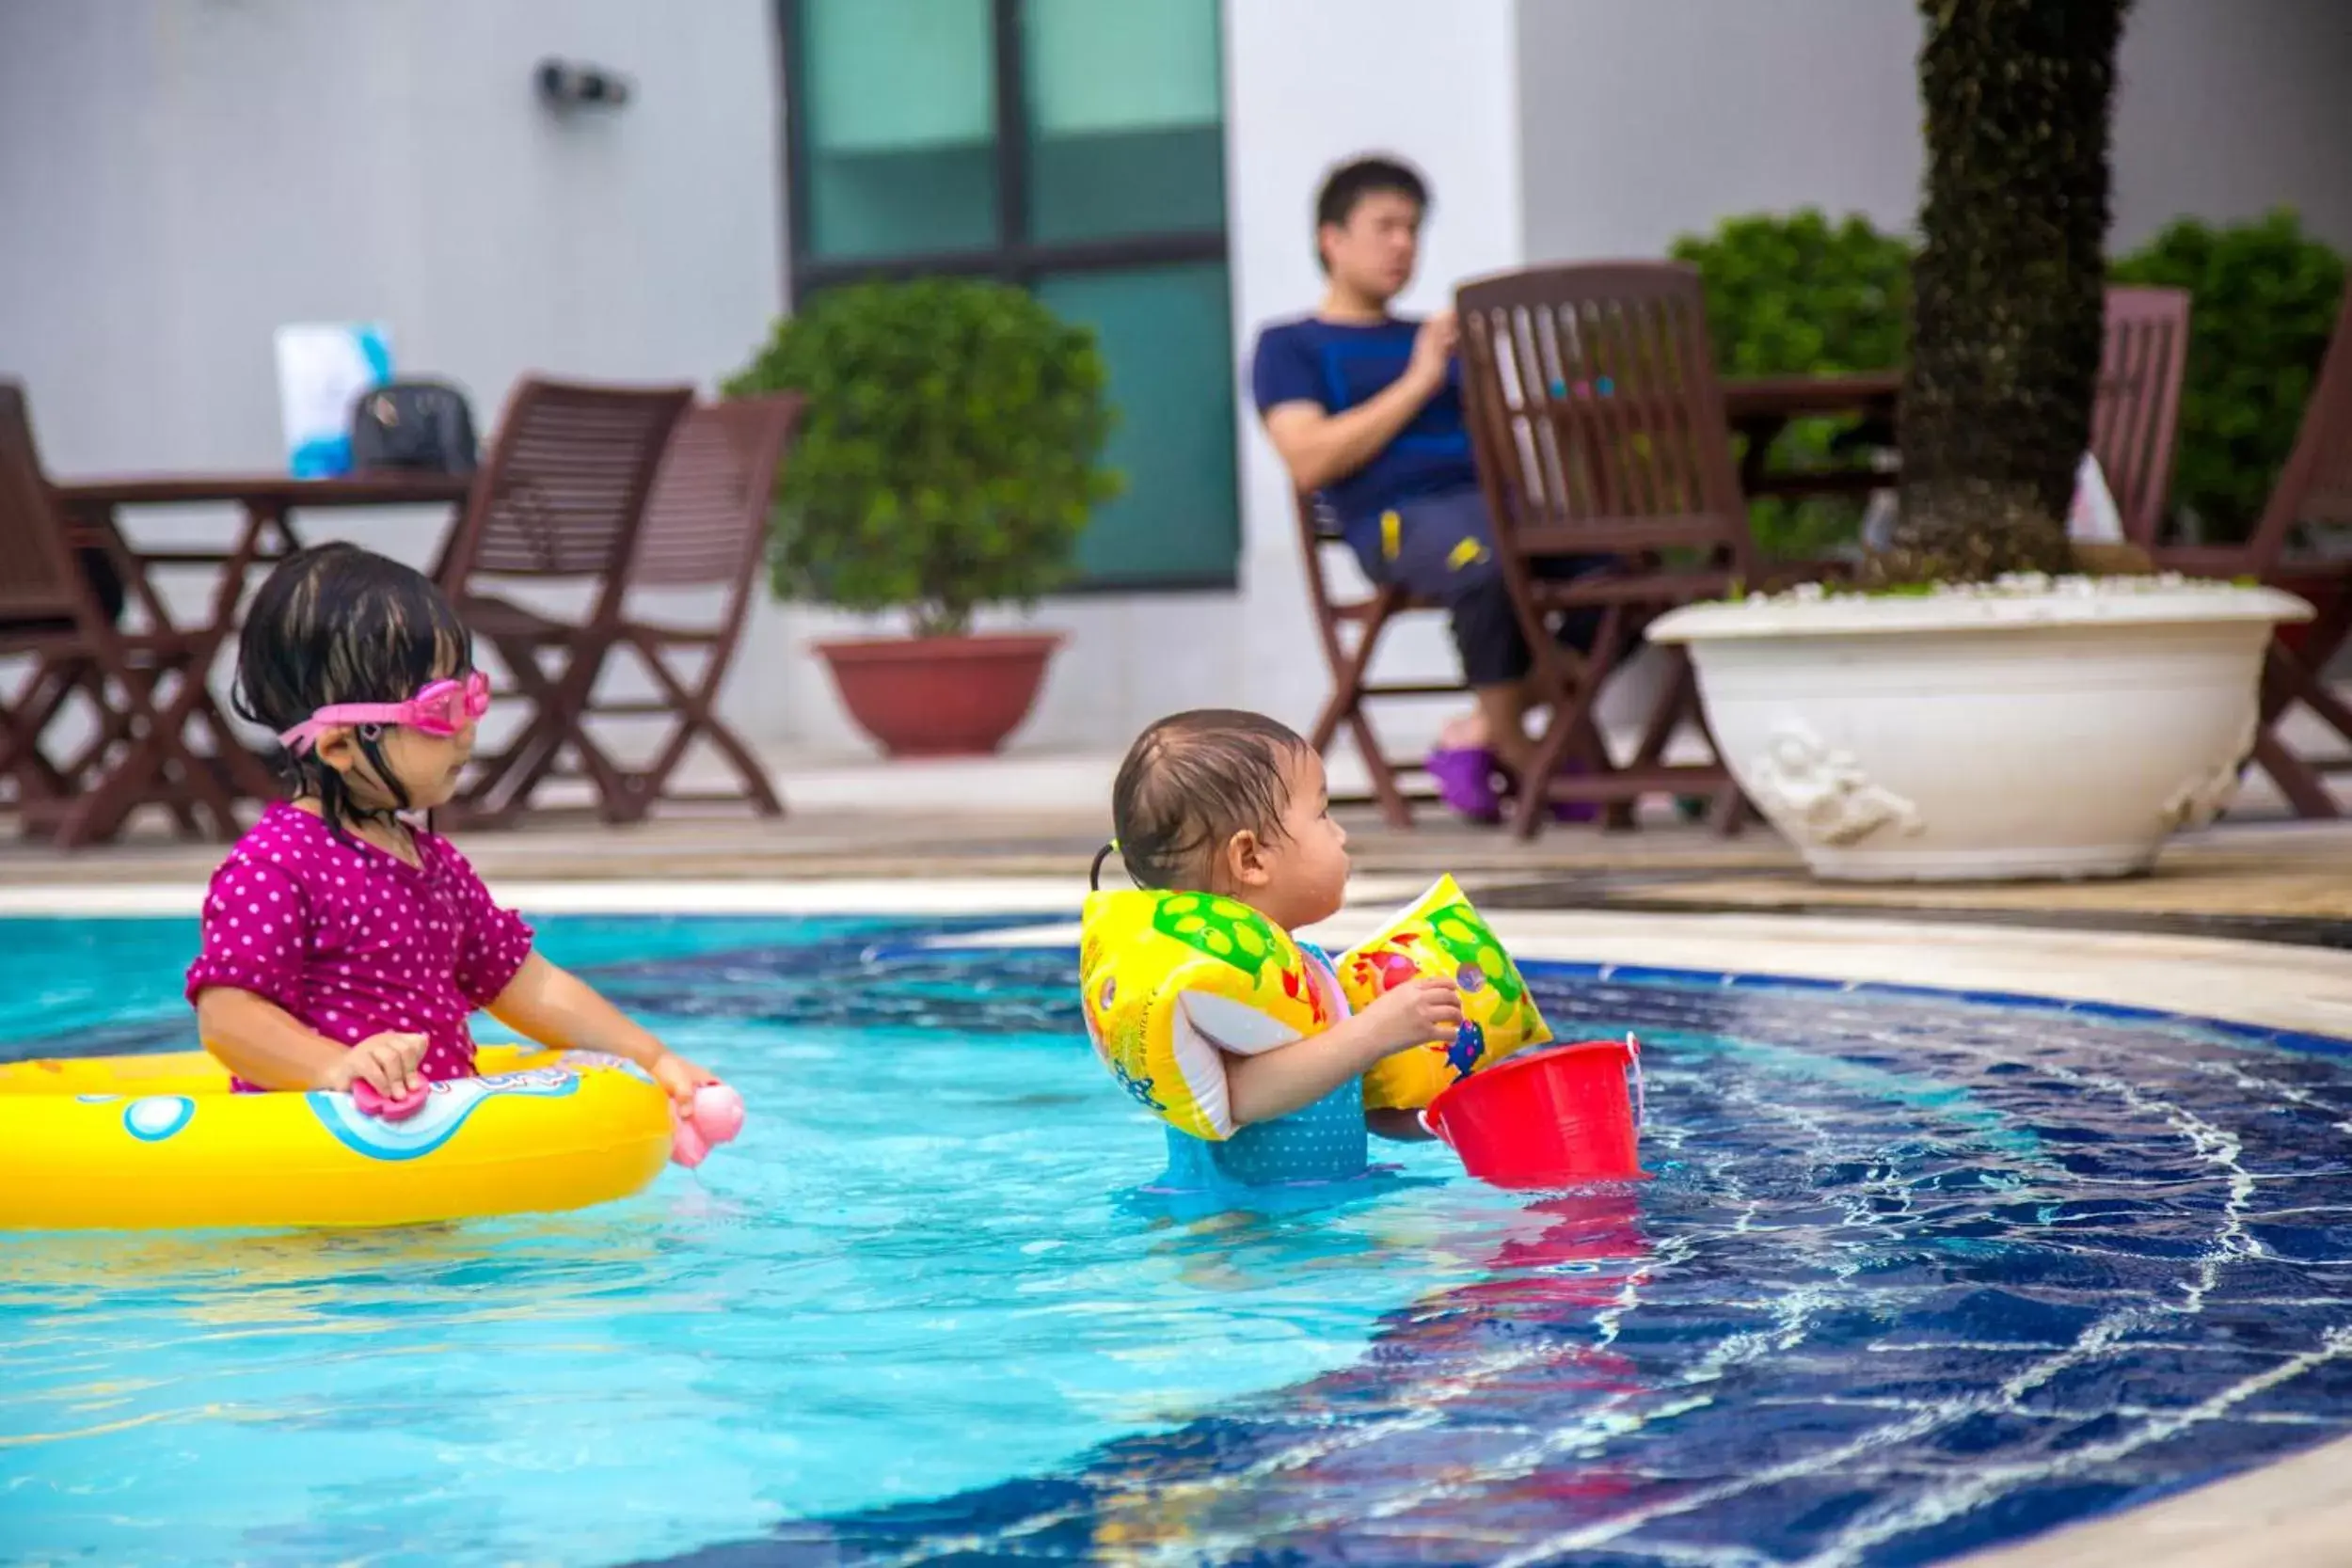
x=353 y=942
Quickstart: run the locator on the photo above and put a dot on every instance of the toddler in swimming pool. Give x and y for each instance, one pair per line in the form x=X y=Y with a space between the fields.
x=1235 y=803
x=341 y=945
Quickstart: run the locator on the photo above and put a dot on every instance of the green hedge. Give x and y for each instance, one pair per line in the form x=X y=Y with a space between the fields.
x=1798 y=295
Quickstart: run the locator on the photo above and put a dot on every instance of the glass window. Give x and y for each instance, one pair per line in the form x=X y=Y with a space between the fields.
x=907 y=160
x=899 y=121
x=1124 y=118
x=1167 y=336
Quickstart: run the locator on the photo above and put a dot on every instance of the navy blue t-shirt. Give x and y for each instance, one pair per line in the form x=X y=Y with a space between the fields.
x=1342 y=365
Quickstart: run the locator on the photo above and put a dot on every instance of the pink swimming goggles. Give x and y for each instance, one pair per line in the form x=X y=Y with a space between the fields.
x=442 y=708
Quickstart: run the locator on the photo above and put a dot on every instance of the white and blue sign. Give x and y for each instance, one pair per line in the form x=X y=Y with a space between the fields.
x=323 y=367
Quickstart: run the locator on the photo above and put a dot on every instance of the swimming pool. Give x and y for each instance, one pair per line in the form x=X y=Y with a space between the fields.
x=1917 y=1275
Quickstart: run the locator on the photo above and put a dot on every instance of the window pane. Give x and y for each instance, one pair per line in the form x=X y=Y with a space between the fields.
x=1125 y=118
x=1166 y=334
x=898 y=129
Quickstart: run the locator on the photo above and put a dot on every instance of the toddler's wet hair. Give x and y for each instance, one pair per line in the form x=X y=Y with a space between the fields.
x=1193 y=779
x=336 y=624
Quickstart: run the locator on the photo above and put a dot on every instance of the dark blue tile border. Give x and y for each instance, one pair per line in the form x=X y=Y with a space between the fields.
x=2258 y=1034
x=2301 y=1040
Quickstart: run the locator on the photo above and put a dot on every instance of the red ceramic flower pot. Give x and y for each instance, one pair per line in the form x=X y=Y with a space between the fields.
x=940 y=696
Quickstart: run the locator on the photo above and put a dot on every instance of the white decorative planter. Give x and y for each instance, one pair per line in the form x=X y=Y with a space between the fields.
x=2037 y=729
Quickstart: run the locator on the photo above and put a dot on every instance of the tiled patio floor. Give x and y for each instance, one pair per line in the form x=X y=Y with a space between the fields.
x=1045 y=816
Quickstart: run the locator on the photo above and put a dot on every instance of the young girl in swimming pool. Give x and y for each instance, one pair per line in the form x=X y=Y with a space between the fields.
x=1236 y=803
x=342 y=945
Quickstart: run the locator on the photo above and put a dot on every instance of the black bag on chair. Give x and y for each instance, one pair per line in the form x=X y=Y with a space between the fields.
x=420 y=425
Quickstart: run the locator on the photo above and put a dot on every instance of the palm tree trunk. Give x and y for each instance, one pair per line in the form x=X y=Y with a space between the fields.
x=2008 y=289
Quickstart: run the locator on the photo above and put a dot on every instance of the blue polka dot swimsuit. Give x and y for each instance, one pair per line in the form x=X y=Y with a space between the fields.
x=1323 y=1142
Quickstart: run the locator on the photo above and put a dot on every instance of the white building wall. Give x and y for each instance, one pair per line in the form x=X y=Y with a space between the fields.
x=182 y=176
x=2227 y=111
x=179 y=176
x=1643 y=120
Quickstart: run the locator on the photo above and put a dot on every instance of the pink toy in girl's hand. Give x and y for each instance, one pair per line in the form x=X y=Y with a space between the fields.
x=372 y=1101
x=716 y=1117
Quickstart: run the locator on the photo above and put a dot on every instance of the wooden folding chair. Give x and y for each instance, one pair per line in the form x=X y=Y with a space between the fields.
x=2314 y=486
x=1350 y=630
x=147 y=688
x=559 y=504
x=1600 y=430
x=2136 y=415
x=706 y=527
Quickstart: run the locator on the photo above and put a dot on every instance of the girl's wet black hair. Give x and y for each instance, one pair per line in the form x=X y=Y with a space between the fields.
x=1193 y=779
x=336 y=624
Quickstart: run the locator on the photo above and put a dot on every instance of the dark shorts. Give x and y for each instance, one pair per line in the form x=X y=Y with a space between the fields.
x=1441 y=548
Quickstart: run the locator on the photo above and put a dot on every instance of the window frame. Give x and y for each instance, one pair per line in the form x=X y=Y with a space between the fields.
x=1017 y=261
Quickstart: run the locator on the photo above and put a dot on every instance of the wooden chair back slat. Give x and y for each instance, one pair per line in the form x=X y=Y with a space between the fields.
x=2136 y=416
x=706 y=519
x=563 y=495
x=1595 y=408
x=2315 y=485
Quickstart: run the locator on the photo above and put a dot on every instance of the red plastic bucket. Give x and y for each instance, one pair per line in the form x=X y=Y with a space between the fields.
x=1548 y=1117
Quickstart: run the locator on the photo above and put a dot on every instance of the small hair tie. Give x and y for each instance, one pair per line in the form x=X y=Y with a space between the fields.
x=1094 y=876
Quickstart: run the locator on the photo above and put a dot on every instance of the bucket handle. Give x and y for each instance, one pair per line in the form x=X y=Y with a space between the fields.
x=1641 y=1099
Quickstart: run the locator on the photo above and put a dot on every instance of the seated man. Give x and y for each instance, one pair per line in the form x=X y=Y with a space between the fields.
x=1366 y=409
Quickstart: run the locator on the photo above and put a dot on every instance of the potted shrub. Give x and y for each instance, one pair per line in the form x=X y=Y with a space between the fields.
x=1977 y=708
x=949 y=459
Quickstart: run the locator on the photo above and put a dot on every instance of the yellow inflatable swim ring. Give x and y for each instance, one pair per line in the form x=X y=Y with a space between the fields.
x=1173 y=982
x=141 y=1142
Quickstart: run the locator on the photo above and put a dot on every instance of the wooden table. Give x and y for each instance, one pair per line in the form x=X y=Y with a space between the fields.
x=1760 y=407
x=266 y=534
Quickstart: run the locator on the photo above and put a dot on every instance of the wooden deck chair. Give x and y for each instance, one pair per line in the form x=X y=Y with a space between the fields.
x=1600 y=430
x=705 y=528
x=2136 y=415
x=558 y=506
x=146 y=687
x=2314 y=486
x=1350 y=630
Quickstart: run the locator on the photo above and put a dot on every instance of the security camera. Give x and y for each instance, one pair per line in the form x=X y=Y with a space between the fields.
x=568 y=85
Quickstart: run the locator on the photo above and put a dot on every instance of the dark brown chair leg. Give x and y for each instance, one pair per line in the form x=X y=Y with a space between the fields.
x=557 y=720
x=2286 y=682
x=697 y=719
x=1573 y=720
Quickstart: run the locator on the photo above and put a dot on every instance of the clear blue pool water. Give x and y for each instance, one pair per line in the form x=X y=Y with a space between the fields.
x=1917 y=1275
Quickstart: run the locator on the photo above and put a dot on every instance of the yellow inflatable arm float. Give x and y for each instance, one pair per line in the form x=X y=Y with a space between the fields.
x=1172 y=982
x=1438 y=934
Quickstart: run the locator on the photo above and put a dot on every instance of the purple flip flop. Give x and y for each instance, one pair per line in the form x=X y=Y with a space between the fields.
x=1464 y=777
